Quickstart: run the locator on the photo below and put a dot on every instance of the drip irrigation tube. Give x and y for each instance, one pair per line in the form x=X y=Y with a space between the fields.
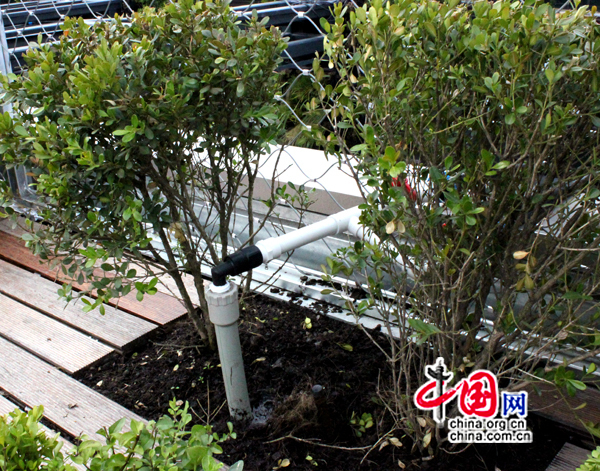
x=223 y=307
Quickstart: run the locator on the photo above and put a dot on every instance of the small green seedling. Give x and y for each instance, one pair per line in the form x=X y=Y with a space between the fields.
x=361 y=424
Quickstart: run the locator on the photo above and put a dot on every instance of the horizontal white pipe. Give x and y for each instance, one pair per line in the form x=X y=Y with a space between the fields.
x=361 y=233
x=335 y=224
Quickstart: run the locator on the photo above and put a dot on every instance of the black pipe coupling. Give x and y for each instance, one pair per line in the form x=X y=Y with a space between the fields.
x=237 y=263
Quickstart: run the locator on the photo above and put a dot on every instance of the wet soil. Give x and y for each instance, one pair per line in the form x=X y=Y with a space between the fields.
x=284 y=360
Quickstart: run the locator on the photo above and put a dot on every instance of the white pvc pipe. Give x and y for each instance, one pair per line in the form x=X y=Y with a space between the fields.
x=335 y=224
x=360 y=232
x=223 y=305
x=224 y=312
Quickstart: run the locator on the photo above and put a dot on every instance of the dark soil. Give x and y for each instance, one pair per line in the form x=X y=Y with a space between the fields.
x=284 y=360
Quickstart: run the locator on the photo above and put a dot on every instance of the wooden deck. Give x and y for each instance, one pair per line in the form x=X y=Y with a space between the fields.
x=569 y=458
x=43 y=341
x=570 y=412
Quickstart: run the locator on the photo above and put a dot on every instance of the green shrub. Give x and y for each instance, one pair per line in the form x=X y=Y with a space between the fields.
x=156 y=446
x=25 y=446
x=490 y=111
x=142 y=129
x=592 y=463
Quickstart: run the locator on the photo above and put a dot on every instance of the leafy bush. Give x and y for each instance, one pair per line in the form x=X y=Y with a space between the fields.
x=592 y=463
x=473 y=131
x=155 y=446
x=142 y=129
x=25 y=446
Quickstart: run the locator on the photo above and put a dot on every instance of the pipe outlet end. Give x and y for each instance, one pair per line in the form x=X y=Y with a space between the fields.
x=223 y=307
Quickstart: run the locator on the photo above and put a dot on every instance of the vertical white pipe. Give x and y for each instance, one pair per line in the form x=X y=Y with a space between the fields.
x=224 y=312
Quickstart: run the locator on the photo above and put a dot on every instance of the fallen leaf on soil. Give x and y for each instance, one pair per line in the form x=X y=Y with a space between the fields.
x=422 y=422
x=401 y=464
x=176 y=367
x=394 y=441
x=259 y=359
x=346 y=346
x=427 y=440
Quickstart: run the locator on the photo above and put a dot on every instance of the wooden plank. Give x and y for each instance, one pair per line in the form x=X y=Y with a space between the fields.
x=116 y=328
x=570 y=457
x=6 y=407
x=57 y=343
x=68 y=404
x=559 y=407
x=160 y=308
x=8 y=226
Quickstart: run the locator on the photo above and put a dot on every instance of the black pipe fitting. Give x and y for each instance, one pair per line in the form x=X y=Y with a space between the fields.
x=236 y=264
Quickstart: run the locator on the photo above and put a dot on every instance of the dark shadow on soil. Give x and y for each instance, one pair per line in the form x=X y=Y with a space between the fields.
x=284 y=360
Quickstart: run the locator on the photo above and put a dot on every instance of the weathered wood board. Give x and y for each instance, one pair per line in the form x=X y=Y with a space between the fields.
x=559 y=407
x=569 y=458
x=160 y=308
x=6 y=407
x=116 y=328
x=55 y=342
x=68 y=404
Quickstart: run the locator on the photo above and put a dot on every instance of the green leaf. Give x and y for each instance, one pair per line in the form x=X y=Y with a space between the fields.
x=397 y=169
x=423 y=328
x=510 y=119
x=21 y=131
x=237 y=466
x=573 y=295
x=577 y=384
x=430 y=28
x=501 y=165
x=240 y=89
x=436 y=175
